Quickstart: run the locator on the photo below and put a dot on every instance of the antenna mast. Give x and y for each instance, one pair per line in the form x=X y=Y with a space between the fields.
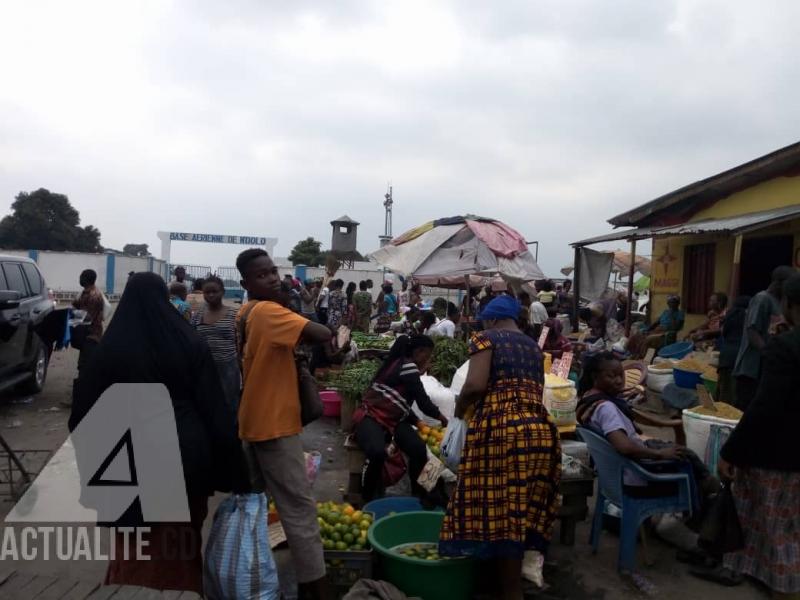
x=387 y=227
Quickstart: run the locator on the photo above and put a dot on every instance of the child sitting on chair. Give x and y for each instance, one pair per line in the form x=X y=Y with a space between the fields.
x=603 y=411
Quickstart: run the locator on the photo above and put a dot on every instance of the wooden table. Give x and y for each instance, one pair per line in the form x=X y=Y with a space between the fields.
x=575 y=494
x=15 y=585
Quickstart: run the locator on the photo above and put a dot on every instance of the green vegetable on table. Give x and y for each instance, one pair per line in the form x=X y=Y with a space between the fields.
x=448 y=355
x=366 y=341
x=354 y=379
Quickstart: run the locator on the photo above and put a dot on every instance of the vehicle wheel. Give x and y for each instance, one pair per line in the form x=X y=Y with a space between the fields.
x=35 y=383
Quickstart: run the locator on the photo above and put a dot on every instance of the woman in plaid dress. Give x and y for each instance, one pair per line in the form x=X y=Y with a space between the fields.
x=761 y=459
x=506 y=497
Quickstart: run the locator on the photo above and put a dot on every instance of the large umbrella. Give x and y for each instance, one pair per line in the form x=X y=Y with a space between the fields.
x=443 y=252
x=621 y=264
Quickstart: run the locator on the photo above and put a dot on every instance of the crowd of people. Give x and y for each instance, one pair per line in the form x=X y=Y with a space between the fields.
x=239 y=431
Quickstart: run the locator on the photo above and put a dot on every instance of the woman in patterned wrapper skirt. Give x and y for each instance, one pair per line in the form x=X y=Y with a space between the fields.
x=507 y=493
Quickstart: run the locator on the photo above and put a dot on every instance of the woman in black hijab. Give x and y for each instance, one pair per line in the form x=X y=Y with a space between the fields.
x=149 y=342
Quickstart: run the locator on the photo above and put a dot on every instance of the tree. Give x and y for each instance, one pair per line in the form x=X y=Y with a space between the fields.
x=136 y=249
x=307 y=252
x=43 y=220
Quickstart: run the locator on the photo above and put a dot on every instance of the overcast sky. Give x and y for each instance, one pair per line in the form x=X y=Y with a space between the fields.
x=272 y=118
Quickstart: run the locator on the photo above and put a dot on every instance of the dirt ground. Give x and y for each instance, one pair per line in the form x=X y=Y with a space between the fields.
x=571 y=572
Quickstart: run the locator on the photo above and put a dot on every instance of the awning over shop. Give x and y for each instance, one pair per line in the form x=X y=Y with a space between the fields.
x=736 y=225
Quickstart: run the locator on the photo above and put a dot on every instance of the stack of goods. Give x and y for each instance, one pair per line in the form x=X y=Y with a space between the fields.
x=432 y=436
x=342 y=527
x=659 y=376
x=560 y=399
x=721 y=410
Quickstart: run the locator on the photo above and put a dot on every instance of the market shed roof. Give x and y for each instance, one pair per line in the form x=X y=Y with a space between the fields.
x=678 y=206
x=738 y=224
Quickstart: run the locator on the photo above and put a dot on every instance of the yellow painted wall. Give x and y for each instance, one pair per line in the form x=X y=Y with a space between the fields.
x=722 y=269
x=775 y=193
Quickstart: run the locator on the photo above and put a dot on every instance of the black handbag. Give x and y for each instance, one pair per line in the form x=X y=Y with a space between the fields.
x=310 y=401
x=721 y=531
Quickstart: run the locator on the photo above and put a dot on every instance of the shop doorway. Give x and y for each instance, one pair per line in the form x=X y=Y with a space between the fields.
x=760 y=256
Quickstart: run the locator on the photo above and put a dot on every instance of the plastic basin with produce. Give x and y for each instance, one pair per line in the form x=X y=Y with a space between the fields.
x=686 y=379
x=383 y=507
x=679 y=350
x=428 y=579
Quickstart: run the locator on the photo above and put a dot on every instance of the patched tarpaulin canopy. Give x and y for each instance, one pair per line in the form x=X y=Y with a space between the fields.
x=621 y=264
x=442 y=252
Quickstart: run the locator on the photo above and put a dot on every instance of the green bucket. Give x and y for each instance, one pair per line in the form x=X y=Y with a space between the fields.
x=430 y=580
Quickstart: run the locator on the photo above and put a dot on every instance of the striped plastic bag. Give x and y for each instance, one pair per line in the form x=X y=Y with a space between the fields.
x=238 y=558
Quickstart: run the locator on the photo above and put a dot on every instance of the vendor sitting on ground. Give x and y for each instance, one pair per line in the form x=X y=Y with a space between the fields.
x=603 y=411
x=712 y=328
x=556 y=344
x=385 y=416
x=664 y=331
x=594 y=317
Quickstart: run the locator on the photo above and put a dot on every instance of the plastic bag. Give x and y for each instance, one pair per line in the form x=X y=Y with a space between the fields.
x=443 y=398
x=453 y=443
x=107 y=309
x=313 y=461
x=532 y=566
x=459 y=378
x=238 y=558
x=721 y=532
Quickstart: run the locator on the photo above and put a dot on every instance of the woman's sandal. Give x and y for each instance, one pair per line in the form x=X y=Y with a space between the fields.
x=719 y=575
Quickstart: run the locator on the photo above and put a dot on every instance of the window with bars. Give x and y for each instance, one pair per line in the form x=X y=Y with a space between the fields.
x=698 y=277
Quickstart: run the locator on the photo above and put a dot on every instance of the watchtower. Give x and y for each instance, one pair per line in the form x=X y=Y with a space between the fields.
x=344 y=240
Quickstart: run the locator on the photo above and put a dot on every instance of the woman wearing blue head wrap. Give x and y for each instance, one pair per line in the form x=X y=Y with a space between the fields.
x=505 y=500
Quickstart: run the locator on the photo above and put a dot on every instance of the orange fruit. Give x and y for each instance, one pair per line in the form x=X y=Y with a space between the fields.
x=349 y=510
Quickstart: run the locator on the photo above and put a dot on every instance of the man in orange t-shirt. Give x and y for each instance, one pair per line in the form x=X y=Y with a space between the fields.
x=269 y=411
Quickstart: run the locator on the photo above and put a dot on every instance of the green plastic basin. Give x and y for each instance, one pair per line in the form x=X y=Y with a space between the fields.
x=430 y=580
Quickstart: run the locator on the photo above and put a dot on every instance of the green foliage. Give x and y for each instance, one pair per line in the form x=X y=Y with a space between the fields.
x=307 y=252
x=43 y=220
x=136 y=249
x=448 y=355
x=354 y=379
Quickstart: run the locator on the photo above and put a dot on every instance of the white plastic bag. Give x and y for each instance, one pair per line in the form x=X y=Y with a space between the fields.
x=532 y=566
x=238 y=558
x=107 y=309
x=453 y=443
x=459 y=378
x=443 y=398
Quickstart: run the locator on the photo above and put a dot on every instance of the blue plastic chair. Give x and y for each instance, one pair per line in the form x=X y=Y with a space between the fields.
x=610 y=466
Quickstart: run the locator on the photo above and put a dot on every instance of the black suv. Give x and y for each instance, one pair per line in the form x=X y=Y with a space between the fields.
x=24 y=305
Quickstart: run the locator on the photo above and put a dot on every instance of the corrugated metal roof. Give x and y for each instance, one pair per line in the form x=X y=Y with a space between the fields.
x=738 y=224
x=641 y=233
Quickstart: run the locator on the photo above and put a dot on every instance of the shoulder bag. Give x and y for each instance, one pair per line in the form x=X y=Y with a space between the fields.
x=310 y=401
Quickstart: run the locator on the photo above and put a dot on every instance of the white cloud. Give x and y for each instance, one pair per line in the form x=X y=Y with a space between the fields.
x=271 y=118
